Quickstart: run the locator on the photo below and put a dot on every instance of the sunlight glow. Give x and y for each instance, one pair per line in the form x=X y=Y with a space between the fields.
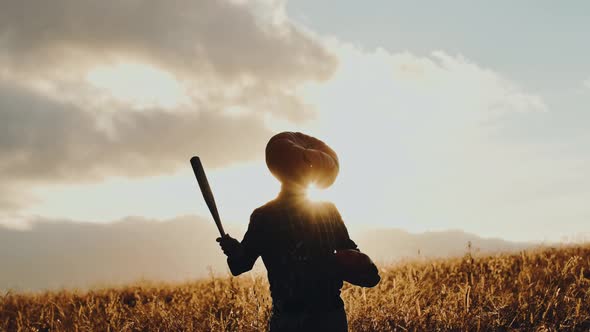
x=139 y=84
x=316 y=194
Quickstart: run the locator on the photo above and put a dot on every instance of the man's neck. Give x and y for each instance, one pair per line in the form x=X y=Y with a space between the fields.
x=292 y=191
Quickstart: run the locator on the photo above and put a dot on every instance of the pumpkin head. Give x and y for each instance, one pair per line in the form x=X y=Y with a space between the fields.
x=294 y=157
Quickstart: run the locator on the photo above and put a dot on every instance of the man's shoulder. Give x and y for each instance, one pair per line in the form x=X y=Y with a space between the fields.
x=277 y=208
x=323 y=208
x=262 y=212
x=327 y=205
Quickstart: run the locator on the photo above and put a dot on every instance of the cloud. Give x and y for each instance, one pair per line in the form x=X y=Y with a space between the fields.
x=83 y=87
x=225 y=52
x=586 y=83
x=424 y=140
x=47 y=140
x=204 y=37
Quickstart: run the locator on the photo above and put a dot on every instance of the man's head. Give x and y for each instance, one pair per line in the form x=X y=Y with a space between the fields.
x=298 y=160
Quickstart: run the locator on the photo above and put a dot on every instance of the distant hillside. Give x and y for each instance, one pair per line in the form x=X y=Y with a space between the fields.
x=67 y=254
x=78 y=255
x=388 y=245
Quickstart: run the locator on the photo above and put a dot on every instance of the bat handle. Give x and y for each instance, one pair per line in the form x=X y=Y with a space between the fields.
x=221 y=231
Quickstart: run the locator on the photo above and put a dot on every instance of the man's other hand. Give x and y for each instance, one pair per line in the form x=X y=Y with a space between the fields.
x=229 y=245
x=357 y=268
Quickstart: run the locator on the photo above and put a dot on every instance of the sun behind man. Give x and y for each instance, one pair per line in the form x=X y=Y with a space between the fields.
x=304 y=245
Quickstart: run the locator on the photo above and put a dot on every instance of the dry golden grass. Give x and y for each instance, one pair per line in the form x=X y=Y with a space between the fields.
x=541 y=290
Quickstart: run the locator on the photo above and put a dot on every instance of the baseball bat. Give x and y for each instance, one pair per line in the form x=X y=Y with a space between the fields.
x=206 y=191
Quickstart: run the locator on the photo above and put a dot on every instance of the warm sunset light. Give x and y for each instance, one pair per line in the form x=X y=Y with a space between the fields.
x=314 y=193
x=170 y=141
x=126 y=82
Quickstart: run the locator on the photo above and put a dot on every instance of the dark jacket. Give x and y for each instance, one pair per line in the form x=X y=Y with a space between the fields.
x=296 y=239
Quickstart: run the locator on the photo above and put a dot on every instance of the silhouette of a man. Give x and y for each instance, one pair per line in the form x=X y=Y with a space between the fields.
x=297 y=240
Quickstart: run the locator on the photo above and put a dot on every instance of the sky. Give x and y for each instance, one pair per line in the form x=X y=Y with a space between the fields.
x=444 y=115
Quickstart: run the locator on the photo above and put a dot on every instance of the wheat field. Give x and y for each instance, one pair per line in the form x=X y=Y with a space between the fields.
x=540 y=290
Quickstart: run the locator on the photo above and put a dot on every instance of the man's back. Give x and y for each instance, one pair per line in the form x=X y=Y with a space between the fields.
x=296 y=239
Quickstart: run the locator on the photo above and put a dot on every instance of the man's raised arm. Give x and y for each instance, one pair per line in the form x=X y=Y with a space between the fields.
x=241 y=256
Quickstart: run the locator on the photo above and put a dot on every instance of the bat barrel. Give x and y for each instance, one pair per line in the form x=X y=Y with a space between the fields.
x=206 y=191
